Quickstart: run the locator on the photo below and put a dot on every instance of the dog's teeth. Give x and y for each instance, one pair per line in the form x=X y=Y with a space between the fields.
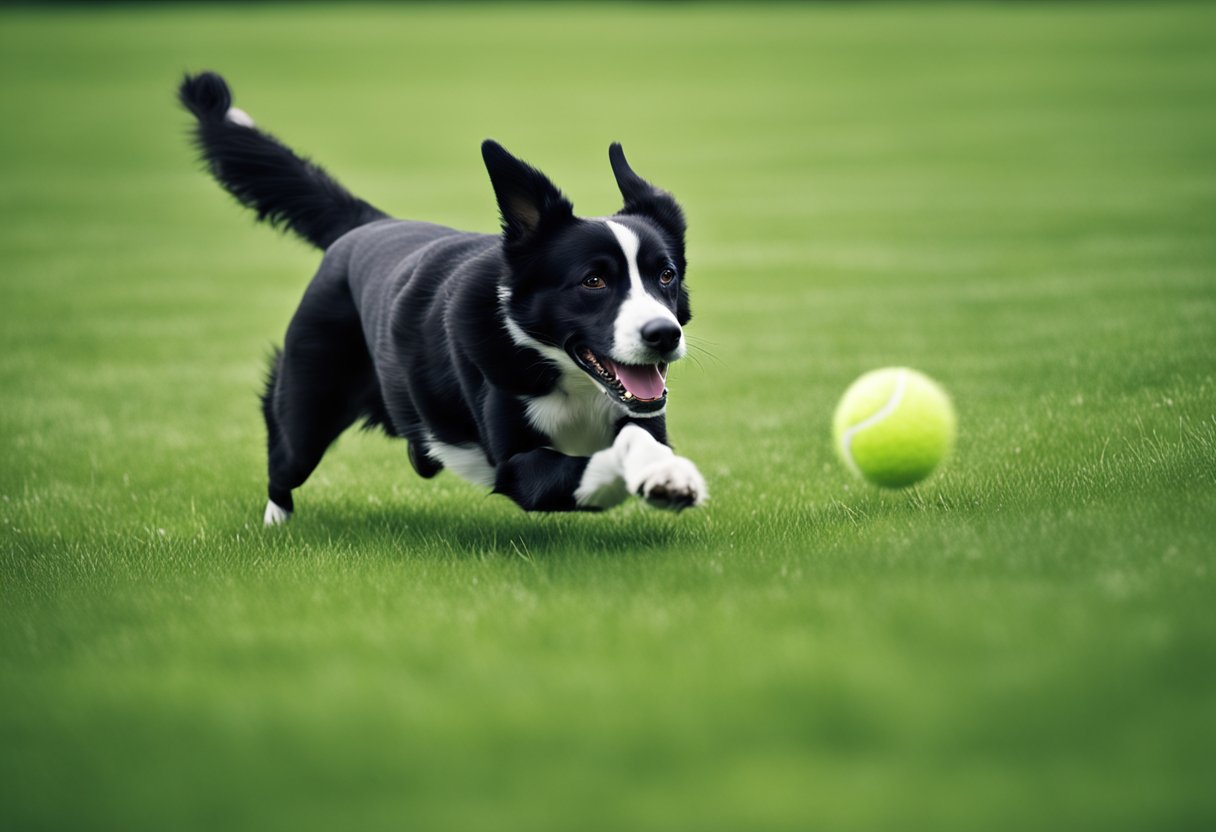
x=628 y=395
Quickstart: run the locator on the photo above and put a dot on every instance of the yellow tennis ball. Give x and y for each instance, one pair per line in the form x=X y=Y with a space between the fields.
x=894 y=426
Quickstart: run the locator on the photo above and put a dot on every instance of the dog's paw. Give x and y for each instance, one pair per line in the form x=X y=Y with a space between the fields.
x=275 y=515
x=673 y=483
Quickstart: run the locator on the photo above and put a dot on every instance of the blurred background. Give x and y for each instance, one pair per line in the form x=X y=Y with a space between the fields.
x=1015 y=198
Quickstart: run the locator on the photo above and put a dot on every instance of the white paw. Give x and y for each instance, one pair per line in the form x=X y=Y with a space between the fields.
x=673 y=483
x=275 y=514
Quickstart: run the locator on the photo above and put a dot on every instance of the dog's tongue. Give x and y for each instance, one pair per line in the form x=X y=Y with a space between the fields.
x=643 y=381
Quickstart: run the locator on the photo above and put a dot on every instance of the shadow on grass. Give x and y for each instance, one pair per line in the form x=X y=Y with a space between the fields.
x=474 y=529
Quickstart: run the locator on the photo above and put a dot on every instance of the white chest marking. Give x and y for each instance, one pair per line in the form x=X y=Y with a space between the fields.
x=638 y=309
x=576 y=416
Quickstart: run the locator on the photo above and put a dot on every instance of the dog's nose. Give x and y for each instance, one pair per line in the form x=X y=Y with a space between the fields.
x=661 y=334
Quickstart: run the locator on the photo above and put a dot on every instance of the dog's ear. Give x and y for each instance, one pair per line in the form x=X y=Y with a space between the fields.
x=644 y=199
x=529 y=202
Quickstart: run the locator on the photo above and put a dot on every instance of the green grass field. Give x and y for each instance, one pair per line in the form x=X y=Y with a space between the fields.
x=1018 y=200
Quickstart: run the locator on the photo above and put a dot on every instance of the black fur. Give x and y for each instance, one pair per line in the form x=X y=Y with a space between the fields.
x=284 y=189
x=450 y=339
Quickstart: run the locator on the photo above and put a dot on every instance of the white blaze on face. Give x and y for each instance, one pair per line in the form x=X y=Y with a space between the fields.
x=639 y=308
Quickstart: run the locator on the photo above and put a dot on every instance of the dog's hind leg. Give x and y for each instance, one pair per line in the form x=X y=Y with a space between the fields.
x=319 y=384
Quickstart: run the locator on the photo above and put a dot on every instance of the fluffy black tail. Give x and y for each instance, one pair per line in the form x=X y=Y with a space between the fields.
x=285 y=189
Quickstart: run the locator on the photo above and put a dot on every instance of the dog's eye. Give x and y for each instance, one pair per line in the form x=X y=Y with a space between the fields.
x=594 y=281
x=667 y=276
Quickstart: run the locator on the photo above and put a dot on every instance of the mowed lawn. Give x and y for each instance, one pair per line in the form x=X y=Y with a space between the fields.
x=1018 y=200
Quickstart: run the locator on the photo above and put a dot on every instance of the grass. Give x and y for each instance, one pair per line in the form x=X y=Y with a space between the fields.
x=1015 y=199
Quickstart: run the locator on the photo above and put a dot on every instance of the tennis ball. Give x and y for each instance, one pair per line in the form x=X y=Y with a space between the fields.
x=894 y=426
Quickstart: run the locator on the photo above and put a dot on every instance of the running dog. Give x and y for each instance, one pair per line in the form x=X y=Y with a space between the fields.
x=533 y=363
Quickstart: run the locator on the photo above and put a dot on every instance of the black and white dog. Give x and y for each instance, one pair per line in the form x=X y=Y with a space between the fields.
x=533 y=362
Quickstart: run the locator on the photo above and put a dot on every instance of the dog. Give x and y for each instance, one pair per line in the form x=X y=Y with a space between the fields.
x=533 y=363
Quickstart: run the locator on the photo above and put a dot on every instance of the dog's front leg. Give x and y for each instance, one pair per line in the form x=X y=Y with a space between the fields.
x=544 y=480
x=637 y=463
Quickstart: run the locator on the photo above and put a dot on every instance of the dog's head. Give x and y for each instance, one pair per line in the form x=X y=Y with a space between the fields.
x=606 y=296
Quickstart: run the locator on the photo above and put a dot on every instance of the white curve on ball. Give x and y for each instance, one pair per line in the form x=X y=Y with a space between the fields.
x=897 y=396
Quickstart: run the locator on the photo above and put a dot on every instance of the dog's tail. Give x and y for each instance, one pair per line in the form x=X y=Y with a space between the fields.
x=286 y=190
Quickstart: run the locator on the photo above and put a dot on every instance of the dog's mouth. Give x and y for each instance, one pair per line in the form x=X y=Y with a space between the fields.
x=640 y=387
